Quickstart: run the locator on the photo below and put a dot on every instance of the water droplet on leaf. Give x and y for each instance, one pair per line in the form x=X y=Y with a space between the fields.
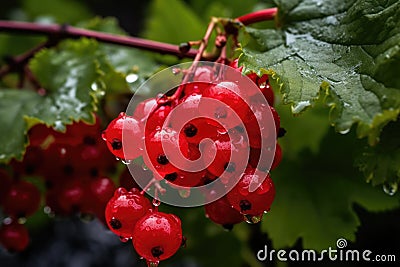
x=390 y=188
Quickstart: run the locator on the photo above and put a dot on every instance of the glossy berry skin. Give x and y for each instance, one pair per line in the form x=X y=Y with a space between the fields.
x=221 y=212
x=157 y=236
x=22 y=199
x=124 y=209
x=225 y=102
x=130 y=147
x=158 y=144
x=14 y=237
x=256 y=202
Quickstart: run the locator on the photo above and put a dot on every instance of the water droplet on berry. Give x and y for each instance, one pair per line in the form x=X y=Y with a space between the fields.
x=156 y=202
x=253 y=219
x=390 y=188
x=130 y=202
x=124 y=239
x=158 y=221
x=126 y=161
x=184 y=193
x=103 y=135
x=152 y=263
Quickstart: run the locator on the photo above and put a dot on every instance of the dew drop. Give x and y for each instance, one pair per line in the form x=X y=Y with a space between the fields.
x=176 y=71
x=126 y=161
x=184 y=193
x=346 y=131
x=47 y=210
x=22 y=220
x=158 y=221
x=131 y=78
x=390 y=188
x=103 y=136
x=144 y=167
x=156 y=202
x=152 y=263
x=130 y=202
x=253 y=219
x=7 y=221
x=117 y=158
x=124 y=239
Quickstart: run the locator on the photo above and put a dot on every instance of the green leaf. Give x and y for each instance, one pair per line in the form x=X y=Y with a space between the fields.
x=67 y=73
x=346 y=53
x=173 y=22
x=380 y=164
x=121 y=61
x=14 y=105
x=316 y=194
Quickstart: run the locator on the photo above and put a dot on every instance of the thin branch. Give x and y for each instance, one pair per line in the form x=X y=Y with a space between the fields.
x=65 y=31
x=258 y=16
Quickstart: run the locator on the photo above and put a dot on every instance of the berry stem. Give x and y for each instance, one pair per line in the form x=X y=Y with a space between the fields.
x=258 y=16
x=66 y=31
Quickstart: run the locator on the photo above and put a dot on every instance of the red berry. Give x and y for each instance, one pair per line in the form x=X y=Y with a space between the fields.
x=14 y=237
x=158 y=144
x=221 y=212
x=5 y=183
x=124 y=209
x=256 y=202
x=225 y=103
x=230 y=155
x=23 y=199
x=130 y=147
x=157 y=236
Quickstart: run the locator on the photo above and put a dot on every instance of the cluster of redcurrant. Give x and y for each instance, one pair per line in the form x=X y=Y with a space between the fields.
x=210 y=131
x=66 y=173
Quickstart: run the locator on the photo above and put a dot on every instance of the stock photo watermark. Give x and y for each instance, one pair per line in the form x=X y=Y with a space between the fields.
x=339 y=253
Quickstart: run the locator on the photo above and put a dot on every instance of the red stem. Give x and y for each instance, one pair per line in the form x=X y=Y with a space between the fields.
x=258 y=16
x=65 y=31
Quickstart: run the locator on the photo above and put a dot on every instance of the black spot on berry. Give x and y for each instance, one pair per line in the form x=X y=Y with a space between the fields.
x=116 y=144
x=230 y=167
x=244 y=205
x=157 y=251
x=162 y=159
x=115 y=224
x=171 y=176
x=190 y=130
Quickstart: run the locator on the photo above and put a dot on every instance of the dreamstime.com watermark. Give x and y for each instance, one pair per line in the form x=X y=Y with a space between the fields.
x=340 y=253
